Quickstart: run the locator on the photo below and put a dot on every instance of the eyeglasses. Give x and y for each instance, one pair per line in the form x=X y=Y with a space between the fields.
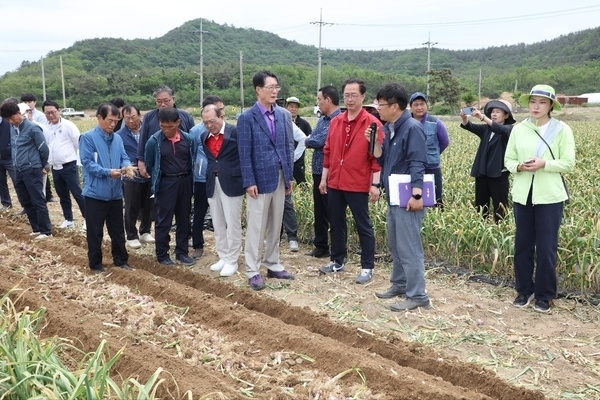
x=163 y=101
x=271 y=88
x=111 y=120
x=352 y=95
x=131 y=117
x=50 y=112
x=385 y=104
x=211 y=122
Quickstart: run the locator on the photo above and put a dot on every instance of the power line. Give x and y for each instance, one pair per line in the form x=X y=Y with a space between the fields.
x=517 y=18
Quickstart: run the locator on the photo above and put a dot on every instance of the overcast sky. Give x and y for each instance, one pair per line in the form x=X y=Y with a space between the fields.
x=30 y=30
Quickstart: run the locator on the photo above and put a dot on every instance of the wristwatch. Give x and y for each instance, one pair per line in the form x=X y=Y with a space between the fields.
x=377 y=185
x=417 y=196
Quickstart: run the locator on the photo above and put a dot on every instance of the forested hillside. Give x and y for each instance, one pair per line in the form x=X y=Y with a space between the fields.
x=98 y=69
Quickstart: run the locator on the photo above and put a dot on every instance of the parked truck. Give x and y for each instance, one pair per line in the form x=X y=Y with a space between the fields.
x=70 y=112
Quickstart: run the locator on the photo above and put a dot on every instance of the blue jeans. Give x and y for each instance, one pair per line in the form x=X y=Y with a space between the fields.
x=404 y=241
x=29 y=186
x=6 y=165
x=66 y=182
x=536 y=238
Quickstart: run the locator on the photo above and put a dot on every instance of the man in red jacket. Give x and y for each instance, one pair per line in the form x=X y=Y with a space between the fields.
x=350 y=179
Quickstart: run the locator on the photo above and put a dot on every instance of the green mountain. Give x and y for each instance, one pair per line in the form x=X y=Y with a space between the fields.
x=99 y=69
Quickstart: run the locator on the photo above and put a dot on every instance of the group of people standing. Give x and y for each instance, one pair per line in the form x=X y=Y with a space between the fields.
x=216 y=163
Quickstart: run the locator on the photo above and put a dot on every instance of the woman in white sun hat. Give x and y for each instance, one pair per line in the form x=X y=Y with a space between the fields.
x=539 y=150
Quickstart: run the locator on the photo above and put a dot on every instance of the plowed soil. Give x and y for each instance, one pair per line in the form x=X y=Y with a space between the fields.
x=317 y=337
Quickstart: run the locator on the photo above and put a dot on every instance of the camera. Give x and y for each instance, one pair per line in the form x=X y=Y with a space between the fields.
x=468 y=110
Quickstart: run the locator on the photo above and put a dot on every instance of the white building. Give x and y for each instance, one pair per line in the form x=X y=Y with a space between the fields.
x=591 y=97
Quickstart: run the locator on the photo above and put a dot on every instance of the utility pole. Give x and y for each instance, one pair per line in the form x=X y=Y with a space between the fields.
x=429 y=44
x=62 y=78
x=43 y=79
x=242 y=81
x=319 y=52
x=202 y=32
x=479 y=91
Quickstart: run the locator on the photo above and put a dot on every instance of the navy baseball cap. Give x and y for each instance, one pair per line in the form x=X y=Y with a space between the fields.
x=417 y=95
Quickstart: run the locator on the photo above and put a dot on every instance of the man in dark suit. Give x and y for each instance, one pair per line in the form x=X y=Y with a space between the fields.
x=224 y=188
x=266 y=147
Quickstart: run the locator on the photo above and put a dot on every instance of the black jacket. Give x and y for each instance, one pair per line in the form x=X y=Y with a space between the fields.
x=489 y=159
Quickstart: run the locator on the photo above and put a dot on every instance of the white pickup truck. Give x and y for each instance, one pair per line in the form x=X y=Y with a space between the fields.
x=70 y=112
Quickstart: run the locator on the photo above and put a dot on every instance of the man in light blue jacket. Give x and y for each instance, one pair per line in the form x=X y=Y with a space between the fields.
x=103 y=157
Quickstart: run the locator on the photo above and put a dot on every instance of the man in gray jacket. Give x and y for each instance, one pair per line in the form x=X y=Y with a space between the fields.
x=30 y=156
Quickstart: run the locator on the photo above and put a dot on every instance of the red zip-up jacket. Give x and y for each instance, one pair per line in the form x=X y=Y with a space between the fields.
x=346 y=152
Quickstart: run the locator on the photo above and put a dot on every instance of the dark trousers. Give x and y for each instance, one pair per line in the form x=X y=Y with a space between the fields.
x=48 y=188
x=173 y=198
x=6 y=166
x=290 y=225
x=299 y=170
x=536 y=236
x=439 y=186
x=338 y=201
x=321 y=215
x=29 y=186
x=200 y=208
x=137 y=204
x=494 y=189
x=99 y=212
x=66 y=182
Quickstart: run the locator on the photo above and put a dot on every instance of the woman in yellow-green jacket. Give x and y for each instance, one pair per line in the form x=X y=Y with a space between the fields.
x=539 y=150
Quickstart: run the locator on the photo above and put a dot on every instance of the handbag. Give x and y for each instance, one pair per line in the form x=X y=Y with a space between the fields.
x=561 y=175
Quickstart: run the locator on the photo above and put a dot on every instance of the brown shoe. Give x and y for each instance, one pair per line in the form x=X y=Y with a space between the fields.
x=198 y=252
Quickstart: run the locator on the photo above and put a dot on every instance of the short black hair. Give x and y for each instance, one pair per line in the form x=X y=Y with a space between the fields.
x=117 y=101
x=28 y=97
x=331 y=93
x=211 y=100
x=361 y=85
x=8 y=109
x=107 y=108
x=168 y=114
x=393 y=93
x=50 y=103
x=258 y=80
x=130 y=108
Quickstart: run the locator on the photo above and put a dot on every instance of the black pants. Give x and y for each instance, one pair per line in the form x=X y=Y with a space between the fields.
x=200 y=208
x=495 y=189
x=536 y=247
x=173 y=198
x=137 y=204
x=299 y=170
x=99 y=212
x=321 y=216
x=439 y=187
x=66 y=183
x=339 y=201
x=29 y=187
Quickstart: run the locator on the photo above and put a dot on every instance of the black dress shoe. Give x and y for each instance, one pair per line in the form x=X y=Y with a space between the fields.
x=124 y=266
x=319 y=252
x=98 y=270
x=166 y=261
x=393 y=291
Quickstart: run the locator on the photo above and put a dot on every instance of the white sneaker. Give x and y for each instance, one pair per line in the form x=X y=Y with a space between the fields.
x=66 y=224
x=42 y=236
x=134 y=244
x=217 y=266
x=34 y=234
x=293 y=245
x=84 y=226
x=229 y=269
x=146 y=238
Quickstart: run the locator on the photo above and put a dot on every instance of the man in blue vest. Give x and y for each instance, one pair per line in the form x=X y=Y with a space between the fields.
x=437 y=138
